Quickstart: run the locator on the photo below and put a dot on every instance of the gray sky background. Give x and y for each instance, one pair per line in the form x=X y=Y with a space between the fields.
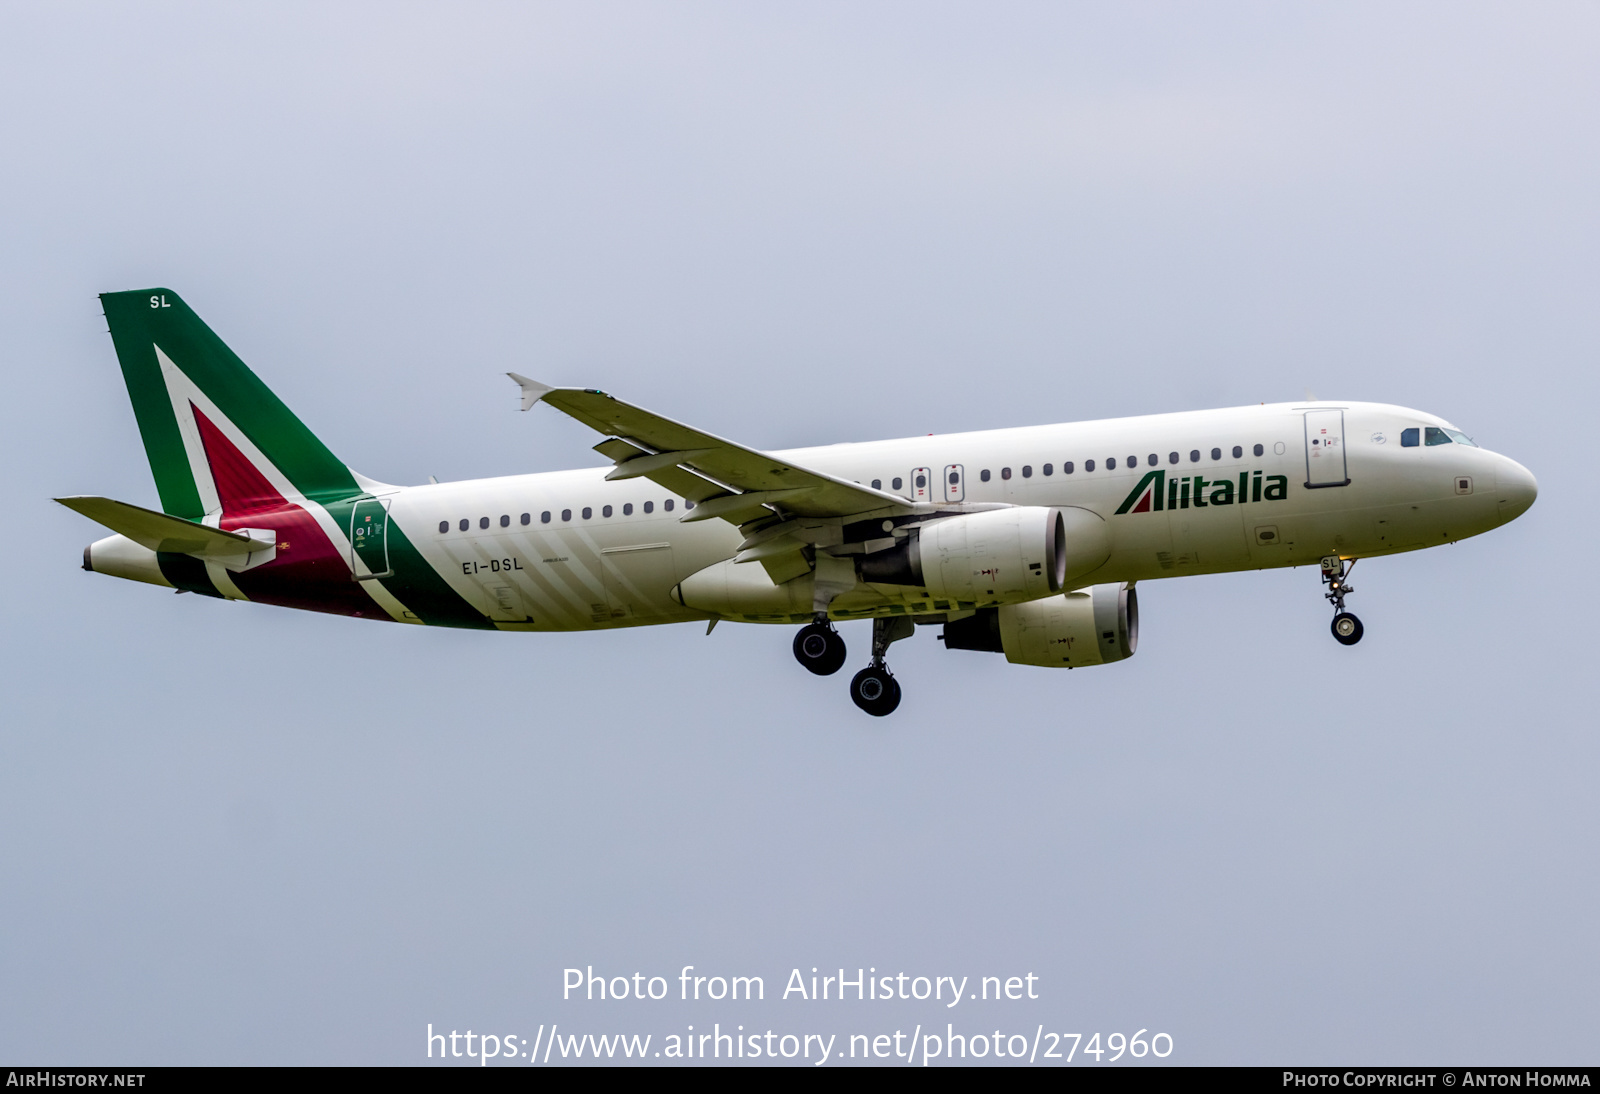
x=232 y=833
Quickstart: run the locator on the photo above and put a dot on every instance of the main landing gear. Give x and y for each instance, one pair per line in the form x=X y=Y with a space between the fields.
x=1347 y=629
x=874 y=689
x=819 y=647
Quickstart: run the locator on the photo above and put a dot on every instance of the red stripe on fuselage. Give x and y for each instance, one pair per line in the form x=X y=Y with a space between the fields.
x=309 y=571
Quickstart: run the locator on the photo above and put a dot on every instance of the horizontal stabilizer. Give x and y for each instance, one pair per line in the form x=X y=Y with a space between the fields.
x=160 y=532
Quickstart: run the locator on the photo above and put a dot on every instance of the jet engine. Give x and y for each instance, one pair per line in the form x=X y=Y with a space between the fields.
x=1017 y=553
x=1091 y=626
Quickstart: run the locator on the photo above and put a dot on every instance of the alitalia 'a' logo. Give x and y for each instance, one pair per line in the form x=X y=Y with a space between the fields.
x=1156 y=491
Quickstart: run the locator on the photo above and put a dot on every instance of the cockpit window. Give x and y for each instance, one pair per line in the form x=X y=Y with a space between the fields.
x=1461 y=438
x=1408 y=437
x=1435 y=435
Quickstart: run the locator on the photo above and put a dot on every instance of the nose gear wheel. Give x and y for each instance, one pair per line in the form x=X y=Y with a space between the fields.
x=1347 y=629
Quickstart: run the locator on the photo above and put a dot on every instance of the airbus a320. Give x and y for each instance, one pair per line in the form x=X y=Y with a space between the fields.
x=1027 y=542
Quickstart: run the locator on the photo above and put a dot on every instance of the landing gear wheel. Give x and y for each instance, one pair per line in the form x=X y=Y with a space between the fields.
x=820 y=649
x=1347 y=628
x=875 y=691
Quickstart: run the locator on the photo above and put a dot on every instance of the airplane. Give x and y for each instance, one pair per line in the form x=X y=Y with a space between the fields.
x=1028 y=542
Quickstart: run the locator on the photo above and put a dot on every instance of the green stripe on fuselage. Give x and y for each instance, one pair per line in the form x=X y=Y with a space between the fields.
x=415 y=583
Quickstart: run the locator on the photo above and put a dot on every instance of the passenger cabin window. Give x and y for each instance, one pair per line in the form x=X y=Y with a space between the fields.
x=544 y=517
x=1216 y=453
x=1194 y=455
x=688 y=503
x=444 y=526
x=1409 y=437
x=1133 y=461
x=1088 y=465
x=983 y=476
x=1153 y=459
x=896 y=483
x=566 y=514
x=649 y=507
x=483 y=522
x=606 y=512
x=465 y=524
x=627 y=509
x=527 y=518
x=667 y=505
x=1027 y=470
x=1172 y=457
x=505 y=520
x=587 y=512
x=1048 y=469
x=1005 y=472
x=1066 y=468
x=1111 y=464
x=1238 y=450
x=877 y=484
x=1258 y=450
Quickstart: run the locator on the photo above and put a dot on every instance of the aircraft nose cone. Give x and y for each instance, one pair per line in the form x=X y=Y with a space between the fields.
x=1516 y=490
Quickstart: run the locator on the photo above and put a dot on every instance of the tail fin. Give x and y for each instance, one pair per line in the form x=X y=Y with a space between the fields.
x=203 y=413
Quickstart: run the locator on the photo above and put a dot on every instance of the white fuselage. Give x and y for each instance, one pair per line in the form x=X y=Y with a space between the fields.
x=569 y=550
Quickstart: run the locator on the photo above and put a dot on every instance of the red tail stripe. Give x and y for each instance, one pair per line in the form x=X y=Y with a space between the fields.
x=241 y=487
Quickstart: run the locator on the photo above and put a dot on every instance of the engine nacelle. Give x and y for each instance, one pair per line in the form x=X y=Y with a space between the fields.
x=1013 y=554
x=1002 y=554
x=1092 y=626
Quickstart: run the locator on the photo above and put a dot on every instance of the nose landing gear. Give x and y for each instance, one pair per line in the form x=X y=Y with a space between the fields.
x=1347 y=629
x=819 y=647
x=874 y=688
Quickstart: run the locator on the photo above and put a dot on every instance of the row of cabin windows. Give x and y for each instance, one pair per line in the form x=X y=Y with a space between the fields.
x=587 y=513
x=1068 y=467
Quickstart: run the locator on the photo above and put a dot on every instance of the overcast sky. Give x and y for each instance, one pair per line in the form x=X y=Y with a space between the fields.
x=234 y=833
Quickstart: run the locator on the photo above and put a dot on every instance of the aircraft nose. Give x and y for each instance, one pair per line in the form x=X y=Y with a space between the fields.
x=1516 y=490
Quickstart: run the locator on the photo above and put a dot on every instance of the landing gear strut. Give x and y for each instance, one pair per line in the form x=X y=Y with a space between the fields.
x=874 y=689
x=819 y=647
x=1347 y=629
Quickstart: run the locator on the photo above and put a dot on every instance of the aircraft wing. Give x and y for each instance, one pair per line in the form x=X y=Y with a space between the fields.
x=724 y=479
x=160 y=532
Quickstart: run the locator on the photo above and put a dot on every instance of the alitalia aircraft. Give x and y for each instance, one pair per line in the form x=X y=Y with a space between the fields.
x=1027 y=542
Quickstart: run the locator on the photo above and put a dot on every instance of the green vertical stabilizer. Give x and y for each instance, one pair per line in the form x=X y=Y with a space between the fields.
x=146 y=319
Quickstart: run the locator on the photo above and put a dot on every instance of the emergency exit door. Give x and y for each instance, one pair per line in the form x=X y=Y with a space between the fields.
x=955 y=486
x=1325 y=459
x=922 y=484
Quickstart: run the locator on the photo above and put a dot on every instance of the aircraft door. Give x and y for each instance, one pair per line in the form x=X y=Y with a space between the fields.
x=955 y=483
x=1325 y=459
x=922 y=484
x=369 y=538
